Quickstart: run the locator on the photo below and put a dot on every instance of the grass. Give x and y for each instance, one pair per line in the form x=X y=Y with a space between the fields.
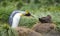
x=28 y=21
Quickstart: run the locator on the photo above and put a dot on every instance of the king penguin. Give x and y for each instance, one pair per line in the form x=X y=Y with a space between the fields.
x=15 y=17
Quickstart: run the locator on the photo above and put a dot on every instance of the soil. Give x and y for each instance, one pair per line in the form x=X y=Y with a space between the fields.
x=52 y=33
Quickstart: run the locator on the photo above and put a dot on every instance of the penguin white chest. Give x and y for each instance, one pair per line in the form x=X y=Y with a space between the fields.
x=16 y=20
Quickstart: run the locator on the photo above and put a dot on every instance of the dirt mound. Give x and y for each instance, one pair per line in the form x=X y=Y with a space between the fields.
x=27 y=32
x=44 y=27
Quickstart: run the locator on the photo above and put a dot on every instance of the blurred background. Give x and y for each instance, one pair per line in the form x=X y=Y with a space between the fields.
x=38 y=8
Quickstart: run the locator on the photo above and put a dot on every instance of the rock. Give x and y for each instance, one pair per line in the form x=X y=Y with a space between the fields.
x=46 y=19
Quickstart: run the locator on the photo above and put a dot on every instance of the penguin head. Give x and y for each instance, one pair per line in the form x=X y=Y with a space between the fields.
x=27 y=13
